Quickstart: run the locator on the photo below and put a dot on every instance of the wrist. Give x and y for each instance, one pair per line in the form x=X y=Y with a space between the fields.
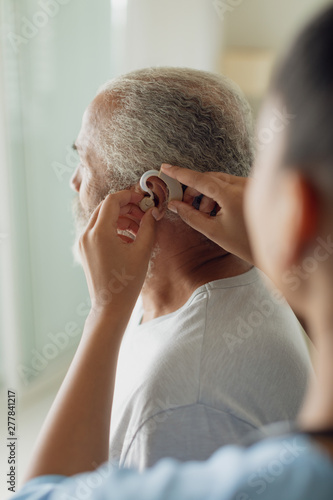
x=113 y=323
x=116 y=304
x=101 y=316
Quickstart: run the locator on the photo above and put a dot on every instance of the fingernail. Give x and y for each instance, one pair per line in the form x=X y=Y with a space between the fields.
x=172 y=207
x=155 y=213
x=166 y=166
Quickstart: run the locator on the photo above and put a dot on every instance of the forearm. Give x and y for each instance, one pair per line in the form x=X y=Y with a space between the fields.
x=75 y=436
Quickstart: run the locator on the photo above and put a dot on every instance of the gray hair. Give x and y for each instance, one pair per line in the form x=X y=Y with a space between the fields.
x=181 y=116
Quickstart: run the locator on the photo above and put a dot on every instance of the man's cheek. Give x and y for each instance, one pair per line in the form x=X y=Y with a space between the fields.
x=90 y=198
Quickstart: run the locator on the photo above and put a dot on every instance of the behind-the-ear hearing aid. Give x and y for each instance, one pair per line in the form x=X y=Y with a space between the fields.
x=175 y=190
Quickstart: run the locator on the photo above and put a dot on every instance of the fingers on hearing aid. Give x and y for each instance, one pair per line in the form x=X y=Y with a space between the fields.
x=191 y=178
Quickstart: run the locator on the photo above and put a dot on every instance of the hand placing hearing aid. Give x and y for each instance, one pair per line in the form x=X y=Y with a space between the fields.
x=173 y=189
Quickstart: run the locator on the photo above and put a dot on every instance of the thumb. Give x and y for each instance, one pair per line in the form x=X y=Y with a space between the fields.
x=145 y=237
x=194 y=218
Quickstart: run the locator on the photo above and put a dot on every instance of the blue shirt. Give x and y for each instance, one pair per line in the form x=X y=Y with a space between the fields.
x=285 y=468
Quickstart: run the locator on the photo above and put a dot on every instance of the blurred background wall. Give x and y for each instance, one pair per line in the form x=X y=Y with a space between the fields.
x=54 y=55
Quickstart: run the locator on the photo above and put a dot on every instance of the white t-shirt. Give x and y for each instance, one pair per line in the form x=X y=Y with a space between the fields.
x=230 y=360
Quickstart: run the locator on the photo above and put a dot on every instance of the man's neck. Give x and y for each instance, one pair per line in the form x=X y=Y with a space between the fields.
x=178 y=272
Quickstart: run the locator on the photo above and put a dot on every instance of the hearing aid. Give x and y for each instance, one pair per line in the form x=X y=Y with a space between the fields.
x=175 y=190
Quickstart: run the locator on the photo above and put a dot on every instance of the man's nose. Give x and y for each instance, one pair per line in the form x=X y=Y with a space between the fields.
x=75 y=181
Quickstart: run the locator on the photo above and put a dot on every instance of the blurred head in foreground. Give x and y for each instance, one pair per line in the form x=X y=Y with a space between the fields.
x=289 y=208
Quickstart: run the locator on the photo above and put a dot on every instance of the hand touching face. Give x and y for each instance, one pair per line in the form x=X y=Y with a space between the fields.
x=115 y=265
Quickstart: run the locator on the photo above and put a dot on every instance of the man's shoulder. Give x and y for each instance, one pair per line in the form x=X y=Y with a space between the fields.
x=249 y=302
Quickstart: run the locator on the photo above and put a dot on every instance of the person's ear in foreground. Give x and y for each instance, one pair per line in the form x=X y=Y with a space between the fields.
x=289 y=216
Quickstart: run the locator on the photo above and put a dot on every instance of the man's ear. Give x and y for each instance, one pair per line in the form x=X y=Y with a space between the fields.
x=301 y=218
x=160 y=191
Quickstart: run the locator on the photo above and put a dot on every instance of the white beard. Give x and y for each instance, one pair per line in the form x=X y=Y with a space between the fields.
x=81 y=219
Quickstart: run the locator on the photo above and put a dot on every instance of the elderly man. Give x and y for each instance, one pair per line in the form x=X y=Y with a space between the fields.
x=208 y=354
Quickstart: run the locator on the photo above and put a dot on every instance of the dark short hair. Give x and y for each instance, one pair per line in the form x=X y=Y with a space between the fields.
x=304 y=82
